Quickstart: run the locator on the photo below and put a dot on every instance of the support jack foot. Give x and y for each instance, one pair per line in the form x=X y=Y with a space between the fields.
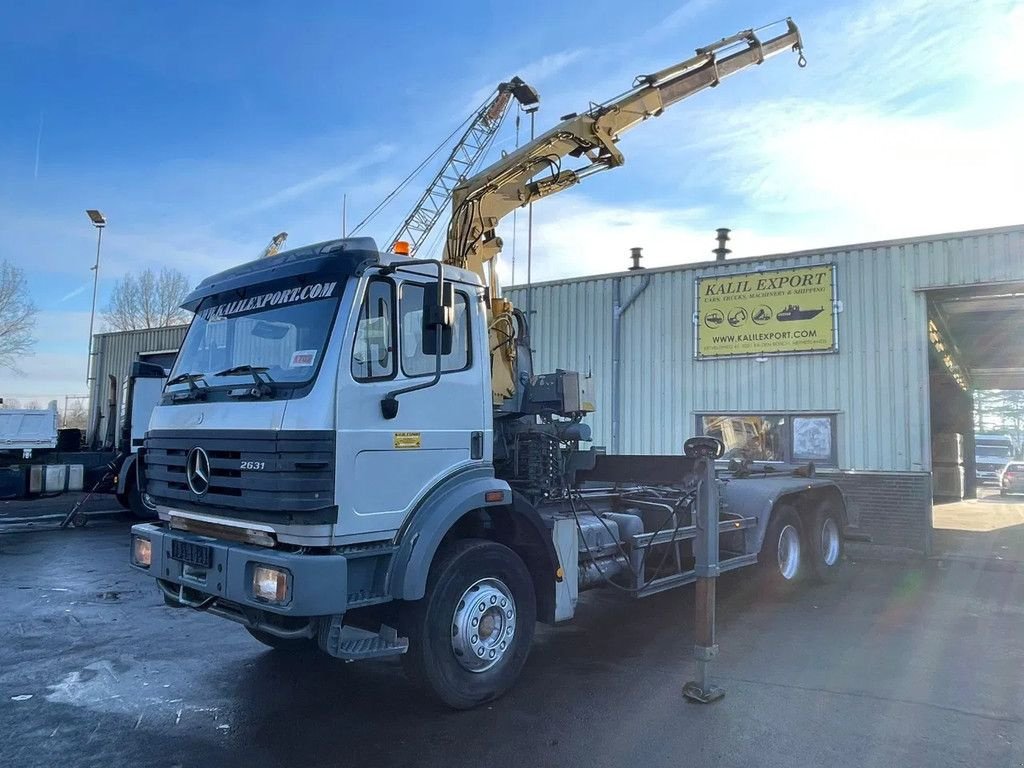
x=694 y=692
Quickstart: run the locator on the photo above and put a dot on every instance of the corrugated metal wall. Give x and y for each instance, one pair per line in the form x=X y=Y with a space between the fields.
x=114 y=354
x=877 y=383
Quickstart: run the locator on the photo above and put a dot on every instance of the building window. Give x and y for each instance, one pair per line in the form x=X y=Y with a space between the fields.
x=791 y=437
x=812 y=439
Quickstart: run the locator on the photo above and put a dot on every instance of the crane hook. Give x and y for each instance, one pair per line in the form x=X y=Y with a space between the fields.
x=802 y=60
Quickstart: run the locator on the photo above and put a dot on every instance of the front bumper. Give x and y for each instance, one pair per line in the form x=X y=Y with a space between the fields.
x=319 y=583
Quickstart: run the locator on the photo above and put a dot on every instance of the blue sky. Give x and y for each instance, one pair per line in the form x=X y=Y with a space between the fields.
x=202 y=129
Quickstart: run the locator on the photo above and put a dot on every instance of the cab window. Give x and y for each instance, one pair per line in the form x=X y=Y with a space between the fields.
x=373 y=353
x=414 y=361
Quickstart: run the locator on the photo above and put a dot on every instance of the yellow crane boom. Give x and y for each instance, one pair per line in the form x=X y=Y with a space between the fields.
x=480 y=202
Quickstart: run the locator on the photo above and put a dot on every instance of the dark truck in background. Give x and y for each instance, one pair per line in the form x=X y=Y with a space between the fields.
x=40 y=459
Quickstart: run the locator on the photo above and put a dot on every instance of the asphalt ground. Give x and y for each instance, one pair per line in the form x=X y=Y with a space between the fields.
x=48 y=511
x=918 y=663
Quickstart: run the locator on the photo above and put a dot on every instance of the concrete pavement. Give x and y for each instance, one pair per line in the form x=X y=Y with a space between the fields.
x=990 y=527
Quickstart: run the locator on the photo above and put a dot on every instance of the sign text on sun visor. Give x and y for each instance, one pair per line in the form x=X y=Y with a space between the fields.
x=296 y=295
x=778 y=312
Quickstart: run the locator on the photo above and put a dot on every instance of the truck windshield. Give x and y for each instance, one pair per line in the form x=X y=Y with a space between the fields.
x=279 y=335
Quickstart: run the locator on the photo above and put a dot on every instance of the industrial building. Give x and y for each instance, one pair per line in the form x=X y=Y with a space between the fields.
x=860 y=358
x=112 y=356
x=854 y=357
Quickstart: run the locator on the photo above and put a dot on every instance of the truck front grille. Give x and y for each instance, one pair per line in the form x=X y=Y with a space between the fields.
x=284 y=477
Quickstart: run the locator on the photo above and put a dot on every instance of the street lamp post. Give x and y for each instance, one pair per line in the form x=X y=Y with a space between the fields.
x=99 y=222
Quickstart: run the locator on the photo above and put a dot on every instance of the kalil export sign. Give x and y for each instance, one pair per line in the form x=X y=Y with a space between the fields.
x=777 y=312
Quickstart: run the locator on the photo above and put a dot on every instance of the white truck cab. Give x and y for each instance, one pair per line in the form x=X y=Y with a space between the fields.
x=280 y=380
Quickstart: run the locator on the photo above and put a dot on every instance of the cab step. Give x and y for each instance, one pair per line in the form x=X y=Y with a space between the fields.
x=353 y=644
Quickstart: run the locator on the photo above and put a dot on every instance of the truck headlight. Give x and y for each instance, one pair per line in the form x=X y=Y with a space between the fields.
x=142 y=552
x=270 y=584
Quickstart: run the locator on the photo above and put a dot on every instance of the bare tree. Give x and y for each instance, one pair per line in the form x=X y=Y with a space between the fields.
x=17 y=316
x=75 y=416
x=147 y=300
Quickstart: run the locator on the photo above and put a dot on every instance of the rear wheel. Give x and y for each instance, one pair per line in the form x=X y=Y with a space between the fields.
x=825 y=544
x=782 y=562
x=291 y=644
x=470 y=634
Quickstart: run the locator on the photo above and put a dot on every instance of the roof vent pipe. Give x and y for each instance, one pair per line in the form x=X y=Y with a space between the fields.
x=634 y=254
x=723 y=237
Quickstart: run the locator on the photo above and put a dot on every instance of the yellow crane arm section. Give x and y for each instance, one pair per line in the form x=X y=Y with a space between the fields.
x=480 y=202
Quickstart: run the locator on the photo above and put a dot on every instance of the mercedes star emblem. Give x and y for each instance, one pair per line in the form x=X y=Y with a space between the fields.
x=197 y=471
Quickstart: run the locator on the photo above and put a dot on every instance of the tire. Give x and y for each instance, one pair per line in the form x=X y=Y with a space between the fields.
x=824 y=545
x=290 y=644
x=466 y=588
x=783 y=561
x=139 y=509
x=122 y=499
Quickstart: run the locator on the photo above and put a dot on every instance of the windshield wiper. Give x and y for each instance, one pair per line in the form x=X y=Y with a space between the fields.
x=194 y=390
x=252 y=370
x=262 y=385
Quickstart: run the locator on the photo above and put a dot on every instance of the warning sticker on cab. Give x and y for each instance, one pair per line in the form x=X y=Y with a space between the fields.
x=407 y=439
x=303 y=358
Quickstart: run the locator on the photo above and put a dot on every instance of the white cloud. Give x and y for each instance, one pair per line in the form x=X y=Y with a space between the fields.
x=548 y=66
x=843 y=161
x=75 y=292
x=576 y=236
x=331 y=176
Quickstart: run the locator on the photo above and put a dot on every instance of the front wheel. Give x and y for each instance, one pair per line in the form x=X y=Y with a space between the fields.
x=138 y=506
x=471 y=633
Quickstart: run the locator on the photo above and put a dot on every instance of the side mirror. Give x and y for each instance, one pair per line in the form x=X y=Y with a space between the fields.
x=438 y=313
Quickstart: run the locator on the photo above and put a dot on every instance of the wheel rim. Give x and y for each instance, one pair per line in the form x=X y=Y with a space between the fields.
x=829 y=542
x=789 y=552
x=483 y=625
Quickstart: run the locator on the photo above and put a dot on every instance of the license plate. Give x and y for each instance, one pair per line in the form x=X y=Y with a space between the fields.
x=198 y=555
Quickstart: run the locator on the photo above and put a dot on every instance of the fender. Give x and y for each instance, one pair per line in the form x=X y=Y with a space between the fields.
x=757 y=496
x=419 y=538
x=124 y=472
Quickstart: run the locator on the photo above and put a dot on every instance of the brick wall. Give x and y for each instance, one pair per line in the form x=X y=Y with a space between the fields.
x=894 y=508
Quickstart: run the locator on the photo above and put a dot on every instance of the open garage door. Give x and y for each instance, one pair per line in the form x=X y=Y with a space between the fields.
x=977 y=345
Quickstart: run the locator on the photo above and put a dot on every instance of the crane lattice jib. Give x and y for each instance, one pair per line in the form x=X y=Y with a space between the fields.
x=464 y=157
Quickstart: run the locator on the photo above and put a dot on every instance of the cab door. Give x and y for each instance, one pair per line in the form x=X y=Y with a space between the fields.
x=384 y=466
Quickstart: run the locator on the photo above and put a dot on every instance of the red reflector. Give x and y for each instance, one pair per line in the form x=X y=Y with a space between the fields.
x=494 y=496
